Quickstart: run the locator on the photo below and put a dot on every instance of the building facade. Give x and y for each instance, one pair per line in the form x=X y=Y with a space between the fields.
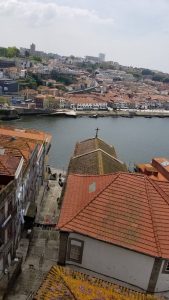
x=122 y=217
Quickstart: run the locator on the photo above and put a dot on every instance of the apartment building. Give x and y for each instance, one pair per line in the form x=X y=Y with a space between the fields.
x=23 y=155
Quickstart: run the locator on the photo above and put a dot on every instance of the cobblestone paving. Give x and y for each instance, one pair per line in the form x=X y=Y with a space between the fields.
x=42 y=254
x=43 y=248
x=48 y=208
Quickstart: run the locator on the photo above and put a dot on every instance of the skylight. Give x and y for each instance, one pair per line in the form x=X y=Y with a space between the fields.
x=92 y=187
x=165 y=163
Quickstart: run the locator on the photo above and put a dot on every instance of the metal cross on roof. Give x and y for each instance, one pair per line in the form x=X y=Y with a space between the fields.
x=97 y=131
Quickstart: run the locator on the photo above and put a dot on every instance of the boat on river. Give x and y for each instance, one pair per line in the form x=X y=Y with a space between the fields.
x=60 y=112
x=93 y=116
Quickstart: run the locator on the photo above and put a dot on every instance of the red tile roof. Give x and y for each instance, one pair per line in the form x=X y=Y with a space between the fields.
x=158 y=169
x=9 y=164
x=17 y=146
x=128 y=210
x=30 y=134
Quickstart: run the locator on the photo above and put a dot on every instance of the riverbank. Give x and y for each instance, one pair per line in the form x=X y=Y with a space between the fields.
x=93 y=113
x=124 y=113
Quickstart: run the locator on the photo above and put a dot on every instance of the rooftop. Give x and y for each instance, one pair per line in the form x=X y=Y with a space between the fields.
x=64 y=283
x=93 y=144
x=30 y=134
x=16 y=146
x=158 y=169
x=95 y=162
x=94 y=156
x=8 y=164
x=124 y=209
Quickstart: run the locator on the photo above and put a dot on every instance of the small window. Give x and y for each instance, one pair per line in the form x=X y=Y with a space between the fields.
x=75 y=250
x=167 y=266
x=165 y=269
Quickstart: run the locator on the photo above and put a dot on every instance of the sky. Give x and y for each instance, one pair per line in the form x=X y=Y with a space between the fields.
x=131 y=32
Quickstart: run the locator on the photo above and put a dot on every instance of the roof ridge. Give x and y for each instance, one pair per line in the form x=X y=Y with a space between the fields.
x=92 y=138
x=99 y=149
x=109 y=174
x=152 y=217
x=117 y=175
x=76 y=146
x=100 y=163
x=94 y=175
x=111 y=146
x=98 y=138
x=159 y=189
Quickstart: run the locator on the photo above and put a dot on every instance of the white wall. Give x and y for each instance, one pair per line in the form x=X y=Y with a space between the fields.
x=122 y=264
x=163 y=281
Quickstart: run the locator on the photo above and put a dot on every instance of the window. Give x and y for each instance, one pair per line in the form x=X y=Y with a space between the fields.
x=75 y=250
x=10 y=231
x=2 y=237
x=10 y=208
x=2 y=215
x=166 y=267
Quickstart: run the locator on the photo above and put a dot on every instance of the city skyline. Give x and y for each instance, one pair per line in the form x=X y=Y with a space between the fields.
x=128 y=31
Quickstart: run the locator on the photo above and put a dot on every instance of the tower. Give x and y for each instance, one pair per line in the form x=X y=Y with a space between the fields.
x=101 y=57
x=32 y=49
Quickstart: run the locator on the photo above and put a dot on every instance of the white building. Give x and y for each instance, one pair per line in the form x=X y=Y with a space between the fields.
x=117 y=225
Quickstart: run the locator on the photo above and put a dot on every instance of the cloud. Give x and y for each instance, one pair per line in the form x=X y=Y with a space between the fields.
x=42 y=13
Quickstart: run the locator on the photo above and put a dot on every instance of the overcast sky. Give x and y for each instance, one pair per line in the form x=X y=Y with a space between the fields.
x=131 y=32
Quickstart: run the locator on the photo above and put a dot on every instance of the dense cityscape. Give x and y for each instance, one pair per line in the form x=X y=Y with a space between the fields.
x=34 y=82
x=52 y=218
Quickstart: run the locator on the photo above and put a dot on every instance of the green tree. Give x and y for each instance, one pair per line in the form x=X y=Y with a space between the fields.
x=166 y=80
x=147 y=72
x=37 y=78
x=12 y=52
x=157 y=77
x=50 y=84
x=3 y=52
x=37 y=58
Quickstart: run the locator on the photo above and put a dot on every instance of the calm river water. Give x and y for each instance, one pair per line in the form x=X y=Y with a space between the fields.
x=136 y=140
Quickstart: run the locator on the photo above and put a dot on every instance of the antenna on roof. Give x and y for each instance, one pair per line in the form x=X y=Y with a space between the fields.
x=97 y=131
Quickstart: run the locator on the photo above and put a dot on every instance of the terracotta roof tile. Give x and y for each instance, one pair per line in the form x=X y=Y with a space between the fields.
x=30 y=134
x=128 y=210
x=9 y=164
x=93 y=144
x=17 y=146
x=94 y=156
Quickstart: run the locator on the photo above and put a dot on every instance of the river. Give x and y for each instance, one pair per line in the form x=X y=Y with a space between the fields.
x=136 y=140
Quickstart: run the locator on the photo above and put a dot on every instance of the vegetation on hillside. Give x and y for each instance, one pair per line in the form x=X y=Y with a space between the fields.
x=9 y=52
x=63 y=78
